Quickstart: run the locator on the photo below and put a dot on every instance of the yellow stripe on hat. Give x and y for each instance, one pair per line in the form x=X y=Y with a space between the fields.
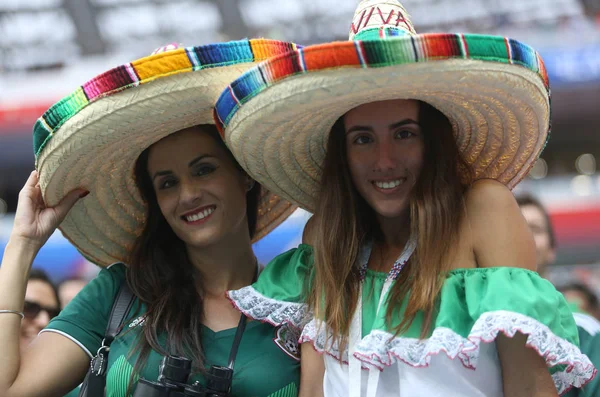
x=157 y=66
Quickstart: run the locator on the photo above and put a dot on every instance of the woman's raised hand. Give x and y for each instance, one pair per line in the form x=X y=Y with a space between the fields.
x=34 y=222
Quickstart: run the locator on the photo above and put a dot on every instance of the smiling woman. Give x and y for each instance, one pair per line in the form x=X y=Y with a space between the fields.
x=202 y=212
x=199 y=187
x=160 y=203
x=402 y=164
x=405 y=146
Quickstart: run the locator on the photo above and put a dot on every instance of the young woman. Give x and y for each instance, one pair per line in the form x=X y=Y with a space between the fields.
x=164 y=195
x=418 y=278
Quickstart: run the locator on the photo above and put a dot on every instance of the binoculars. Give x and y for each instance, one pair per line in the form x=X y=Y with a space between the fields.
x=173 y=375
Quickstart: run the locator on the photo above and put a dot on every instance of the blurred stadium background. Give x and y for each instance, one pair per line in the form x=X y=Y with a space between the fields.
x=49 y=47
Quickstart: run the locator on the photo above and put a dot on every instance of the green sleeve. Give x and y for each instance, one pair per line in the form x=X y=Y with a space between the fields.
x=284 y=278
x=85 y=318
x=278 y=296
x=476 y=303
x=474 y=307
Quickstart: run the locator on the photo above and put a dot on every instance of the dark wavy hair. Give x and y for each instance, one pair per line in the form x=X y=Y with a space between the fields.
x=163 y=278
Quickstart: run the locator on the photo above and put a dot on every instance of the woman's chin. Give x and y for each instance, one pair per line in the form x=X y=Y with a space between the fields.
x=391 y=212
x=203 y=243
x=202 y=238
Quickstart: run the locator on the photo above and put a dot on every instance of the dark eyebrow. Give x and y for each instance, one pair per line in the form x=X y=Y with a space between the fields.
x=358 y=128
x=401 y=123
x=391 y=126
x=161 y=173
x=190 y=164
x=198 y=159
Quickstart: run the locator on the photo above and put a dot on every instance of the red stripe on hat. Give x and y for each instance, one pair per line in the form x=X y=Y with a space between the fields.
x=441 y=46
x=344 y=54
x=508 y=50
x=543 y=72
x=281 y=66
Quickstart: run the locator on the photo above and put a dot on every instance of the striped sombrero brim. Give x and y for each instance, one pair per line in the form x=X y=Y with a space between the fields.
x=93 y=137
x=277 y=116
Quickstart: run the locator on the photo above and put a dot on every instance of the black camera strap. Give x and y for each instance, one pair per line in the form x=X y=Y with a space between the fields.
x=236 y=341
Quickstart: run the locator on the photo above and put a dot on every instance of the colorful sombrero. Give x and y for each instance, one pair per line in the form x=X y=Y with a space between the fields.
x=93 y=137
x=276 y=118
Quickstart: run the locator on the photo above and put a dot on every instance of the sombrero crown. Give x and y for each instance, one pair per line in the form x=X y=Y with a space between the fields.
x=276 y=118
x=380 y=19
x=93 y=137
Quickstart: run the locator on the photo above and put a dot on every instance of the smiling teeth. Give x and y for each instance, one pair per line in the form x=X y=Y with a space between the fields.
x=389 y=185
x=200 y=215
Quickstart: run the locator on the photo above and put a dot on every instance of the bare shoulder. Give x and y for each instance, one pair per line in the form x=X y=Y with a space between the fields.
x=308 y=234
x=488 y=195
x=499 y=234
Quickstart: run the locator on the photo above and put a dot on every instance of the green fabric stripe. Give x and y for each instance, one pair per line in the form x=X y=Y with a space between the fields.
x=374 y=33
x=368 y=34
x=487 y=48
x=118 y=377
x=388 y=52
x=290 y=390
x=40 y=135
x=55 y=117
x=66 y=108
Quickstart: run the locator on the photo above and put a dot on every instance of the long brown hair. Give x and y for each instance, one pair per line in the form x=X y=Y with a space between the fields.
x=163 y=278
x=344 y=222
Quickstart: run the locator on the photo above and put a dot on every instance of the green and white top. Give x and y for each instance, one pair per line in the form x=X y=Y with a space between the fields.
x=267 y=363
x=457 y=358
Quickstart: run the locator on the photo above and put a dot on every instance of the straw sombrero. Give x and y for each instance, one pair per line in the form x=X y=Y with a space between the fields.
x=277 y=116
x=93 y=137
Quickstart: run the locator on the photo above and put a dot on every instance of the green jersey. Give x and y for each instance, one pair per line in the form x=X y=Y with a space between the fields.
x=589 y=341
x=267 y=363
